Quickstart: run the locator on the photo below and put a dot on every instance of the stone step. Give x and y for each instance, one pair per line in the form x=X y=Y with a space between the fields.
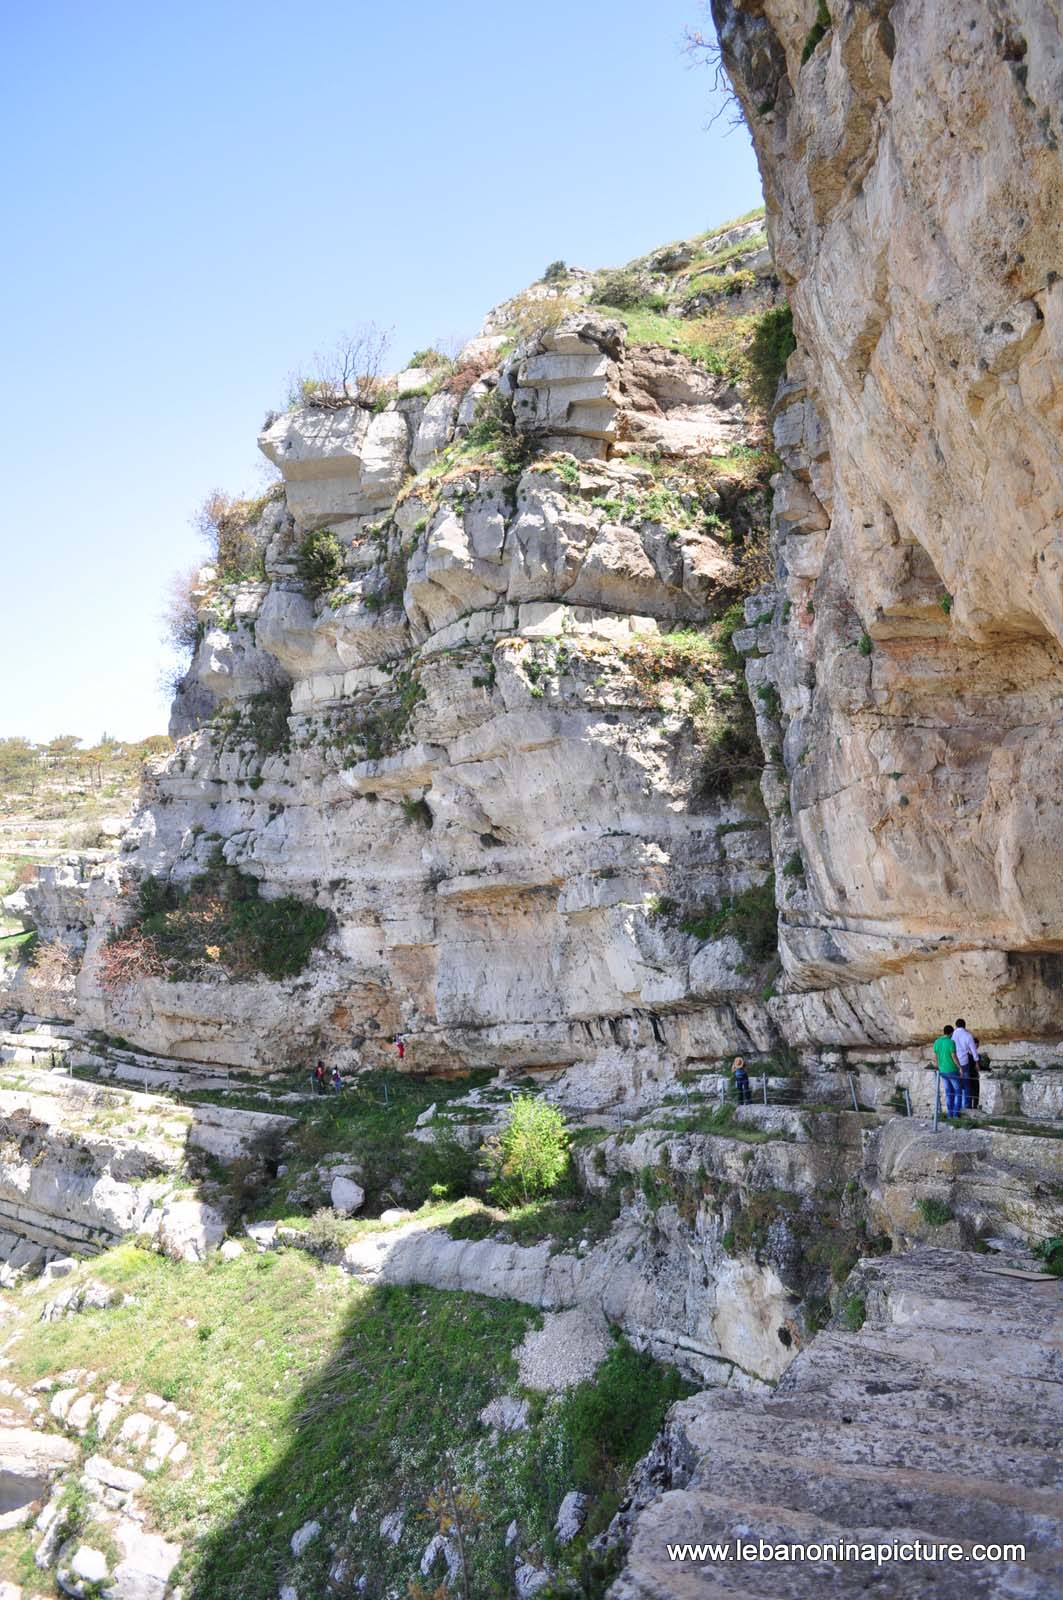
x=27 y=1048
x=902 y=1434
x=683 y=1516
x=939 y=1418
x=847 y=1490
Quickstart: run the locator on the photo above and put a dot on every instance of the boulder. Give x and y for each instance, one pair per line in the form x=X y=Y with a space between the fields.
x=29 y=1462
x=571 y=1515
x=391 y=1525
x=346 y=1196
x=146 y=1565
x=88 y=1564
x=190 y=1229
x=528 y=1580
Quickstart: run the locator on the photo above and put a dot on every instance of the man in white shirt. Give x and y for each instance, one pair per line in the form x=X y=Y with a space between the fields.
x=967 y=1056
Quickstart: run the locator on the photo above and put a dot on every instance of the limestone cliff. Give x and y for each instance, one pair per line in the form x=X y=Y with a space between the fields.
x=910 y=157
x=483 y=744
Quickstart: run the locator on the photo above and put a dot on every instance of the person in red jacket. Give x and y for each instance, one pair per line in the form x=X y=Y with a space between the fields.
x=400 y=1047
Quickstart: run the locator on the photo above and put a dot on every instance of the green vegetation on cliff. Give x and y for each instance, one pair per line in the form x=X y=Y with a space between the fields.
x=220 y=920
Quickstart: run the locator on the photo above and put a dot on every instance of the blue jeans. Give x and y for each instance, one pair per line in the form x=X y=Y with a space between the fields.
x=953 y=1086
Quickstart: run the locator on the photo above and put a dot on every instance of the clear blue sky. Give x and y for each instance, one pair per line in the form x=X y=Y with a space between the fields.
x=197 y=197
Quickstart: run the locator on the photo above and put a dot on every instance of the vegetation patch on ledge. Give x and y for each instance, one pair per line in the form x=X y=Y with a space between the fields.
x=750 y=917
x=219 y=923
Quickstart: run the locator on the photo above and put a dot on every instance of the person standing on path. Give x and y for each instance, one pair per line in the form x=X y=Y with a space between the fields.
x=967 y=1056
x=741 y=1078
x=949 y=1068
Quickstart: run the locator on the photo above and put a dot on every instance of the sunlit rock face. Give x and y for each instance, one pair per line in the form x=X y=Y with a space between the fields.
x=915 y=204
x=460 y=748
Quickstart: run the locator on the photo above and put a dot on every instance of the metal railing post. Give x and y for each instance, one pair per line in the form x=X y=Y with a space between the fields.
x=852 y=1091
x=937 y=1099
x=907 y=1103
x=764 y=1085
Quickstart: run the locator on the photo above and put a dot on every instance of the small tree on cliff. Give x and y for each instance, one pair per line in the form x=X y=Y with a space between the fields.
x=349 y=373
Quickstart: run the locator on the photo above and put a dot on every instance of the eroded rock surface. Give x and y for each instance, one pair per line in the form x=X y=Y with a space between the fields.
x=915 y=208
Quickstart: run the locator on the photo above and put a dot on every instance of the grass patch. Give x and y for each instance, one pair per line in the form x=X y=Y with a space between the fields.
x=563 y=1219
x=15 y=947
x=370 y=1124
x=770 y=348
x=1050 y=1254
x=853 y=1313
x=817 y=31
x=261 y=721
x=720 y=1120
x=935 y=1213
x=716 y=341
x=312 y=1398
x=1028 y=1130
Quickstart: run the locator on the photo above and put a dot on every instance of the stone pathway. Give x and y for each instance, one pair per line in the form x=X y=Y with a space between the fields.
x=940 y=1419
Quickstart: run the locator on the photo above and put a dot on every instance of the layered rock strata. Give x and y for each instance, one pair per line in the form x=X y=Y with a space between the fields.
x=910 y=159
x=471 y=761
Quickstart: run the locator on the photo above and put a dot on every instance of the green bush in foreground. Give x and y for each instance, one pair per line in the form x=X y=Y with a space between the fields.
x=530 y=1156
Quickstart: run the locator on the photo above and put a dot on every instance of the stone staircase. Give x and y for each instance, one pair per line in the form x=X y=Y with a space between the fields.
x=939 y=1418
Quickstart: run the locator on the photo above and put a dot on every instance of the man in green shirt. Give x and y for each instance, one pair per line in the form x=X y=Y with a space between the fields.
x=949 y=1068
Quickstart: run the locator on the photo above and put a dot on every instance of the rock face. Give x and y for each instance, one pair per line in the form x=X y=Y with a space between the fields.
x=915 y=208
x=83 y=1166
x=857 y=1444
x=479 y=750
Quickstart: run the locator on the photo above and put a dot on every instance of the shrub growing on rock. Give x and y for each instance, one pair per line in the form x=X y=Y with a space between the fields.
x=219 y=921
x=624 y=288
x=231 y=527
x=349 y=374
x=770 y=348
x=751 y=917
x=530 y=1156
x=1050 y=1253
x=320 y=563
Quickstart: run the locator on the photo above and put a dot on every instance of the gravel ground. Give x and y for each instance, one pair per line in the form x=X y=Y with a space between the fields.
x=565 y=1351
